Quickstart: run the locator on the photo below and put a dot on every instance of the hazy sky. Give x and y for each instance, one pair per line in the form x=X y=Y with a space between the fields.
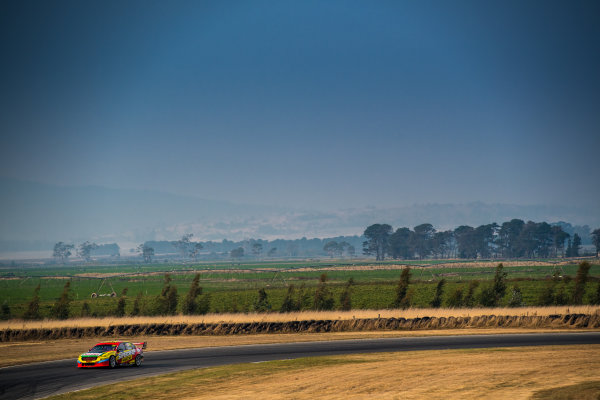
x=309 y=104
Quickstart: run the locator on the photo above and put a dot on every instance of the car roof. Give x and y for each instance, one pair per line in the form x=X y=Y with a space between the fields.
x=110 y=343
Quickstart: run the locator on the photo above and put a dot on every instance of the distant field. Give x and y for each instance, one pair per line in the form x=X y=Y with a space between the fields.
x=437 y=266
x=233 y=288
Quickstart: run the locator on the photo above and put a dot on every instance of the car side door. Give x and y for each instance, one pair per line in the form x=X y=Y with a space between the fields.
x=121 y=353
x=130 y=349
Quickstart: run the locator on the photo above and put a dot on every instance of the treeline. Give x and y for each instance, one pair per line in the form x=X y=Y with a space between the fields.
x=512 y=239
x=168 y=302
x=557 y=291
x=86 y=250
x=195 y=302
x=256 y=248
x=186 y=248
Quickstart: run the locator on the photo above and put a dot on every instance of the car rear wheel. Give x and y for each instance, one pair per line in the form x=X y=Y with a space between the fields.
x=112 y=362
x=138 y=361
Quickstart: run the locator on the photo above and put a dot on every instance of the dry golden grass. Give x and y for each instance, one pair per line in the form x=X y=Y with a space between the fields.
x=299 y=316
x=509 y=373
x=15 y=353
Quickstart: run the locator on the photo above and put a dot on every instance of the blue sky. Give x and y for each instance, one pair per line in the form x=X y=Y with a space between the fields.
x=328 y=104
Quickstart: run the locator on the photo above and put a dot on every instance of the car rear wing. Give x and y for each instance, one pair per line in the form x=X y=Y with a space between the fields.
x=142 y=345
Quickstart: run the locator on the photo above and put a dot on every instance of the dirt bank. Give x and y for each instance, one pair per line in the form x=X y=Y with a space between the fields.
x=589 y=321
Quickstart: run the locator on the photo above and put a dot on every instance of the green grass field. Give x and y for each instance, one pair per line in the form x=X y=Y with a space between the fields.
x=234 y=288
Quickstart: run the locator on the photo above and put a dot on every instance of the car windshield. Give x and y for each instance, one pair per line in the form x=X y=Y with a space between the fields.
x=102 y=348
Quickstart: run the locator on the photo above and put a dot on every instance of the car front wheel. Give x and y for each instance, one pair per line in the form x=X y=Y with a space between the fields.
x=138 y=361
x=112 y=362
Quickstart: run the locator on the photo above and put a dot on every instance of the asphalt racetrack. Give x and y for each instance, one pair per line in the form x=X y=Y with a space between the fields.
x=40 y=380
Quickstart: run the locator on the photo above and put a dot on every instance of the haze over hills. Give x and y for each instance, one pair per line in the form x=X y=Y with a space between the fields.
x=34 y=216
x=287 y=119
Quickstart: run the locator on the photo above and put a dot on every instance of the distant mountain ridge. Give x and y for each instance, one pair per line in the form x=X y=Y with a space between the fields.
x=34 y=215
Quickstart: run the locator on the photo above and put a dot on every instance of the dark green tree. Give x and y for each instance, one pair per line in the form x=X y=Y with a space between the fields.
x=400 y=244
x=561 y=297
x=172 y=299
x=195 y=250
x=422 y=239
x=469 y=299
x=580 y=281
x=289 y=303
x=295 y=299
x=596 y=296
x=33 y=307
x=466 y=241
x=527 y=241
x=182 y=244
x=544 y=240
x=576 y=246
x=85 y=250
x=346 y=296
x=187 y=248
x=439 y=291
x=303 y=298
x=120 y=310
x=332 y=248
x=262 y=303
x=546 y=297
x=442 y=244
x=350 y=251
x=402 y=299
x=257 y=249
x=484 y=239
x=508 y=238
x=377 y=240
x=189 y=303
x=5 y=312
x=85 y=310
x=323 y=299
x=137 y=305
x=499 y=283
x=60 y=310
x=487 y=296
x=203 y=304
x=146 y=252
x=516 y=297
x=455 y=298
x=62 y=251
x=596 y=240
x=558 y=238
x=569 y=251
x=166 y=302
x=237 y=253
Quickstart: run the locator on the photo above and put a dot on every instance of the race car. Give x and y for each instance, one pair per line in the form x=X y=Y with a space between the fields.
x=112 y=354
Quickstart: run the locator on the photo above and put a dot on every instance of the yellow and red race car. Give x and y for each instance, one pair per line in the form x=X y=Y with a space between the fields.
x=112 y=354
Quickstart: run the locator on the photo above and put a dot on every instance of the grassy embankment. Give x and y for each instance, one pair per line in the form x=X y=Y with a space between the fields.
x=302 y=316
x=515 y=373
